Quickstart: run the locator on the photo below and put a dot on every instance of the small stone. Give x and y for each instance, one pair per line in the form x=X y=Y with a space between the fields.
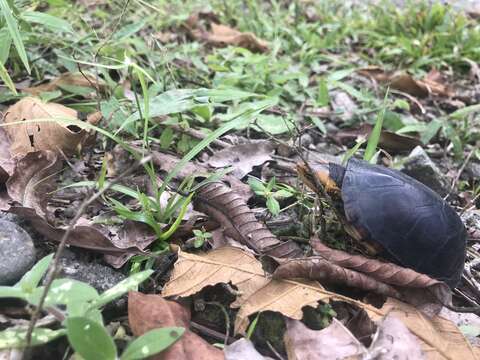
x=17 y=252
x=99 y=276
x=343 y=103
x=419 y=166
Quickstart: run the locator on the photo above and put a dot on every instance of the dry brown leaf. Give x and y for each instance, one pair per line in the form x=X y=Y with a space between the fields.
x=238 y=221
x=391 y=142
x=222 y=35
x=32 y=180
x=319 y=269
x=333 y=342
x=36 y=136
x=393 y=340
x=432 y=83
x=66 y=80
x=288 y=297
x=242 y=157
x=83 y=235
x=192 y=273
x=440 y=338
x=7 y=164
x=148 y=312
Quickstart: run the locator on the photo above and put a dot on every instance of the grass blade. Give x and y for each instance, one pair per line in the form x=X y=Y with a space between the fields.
x=374 y=137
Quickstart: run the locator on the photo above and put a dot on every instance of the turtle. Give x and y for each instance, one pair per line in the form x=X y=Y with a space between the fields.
x=408 y=223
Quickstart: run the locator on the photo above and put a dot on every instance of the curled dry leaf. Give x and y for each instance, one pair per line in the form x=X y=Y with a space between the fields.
x=390 y=141
x=192 y=273
x=7 y=164
x=221 y=35
x=333 y=342
x=32 y=180
x=148 y=312
x=242 y=157
x=317 y=268
x=433 y=83
x=67 y=81
x=439 y=338
x=388 y=273
x=34 y=136
x=238 y=221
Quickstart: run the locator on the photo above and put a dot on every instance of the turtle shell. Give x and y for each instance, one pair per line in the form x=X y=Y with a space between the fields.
x=414 y=225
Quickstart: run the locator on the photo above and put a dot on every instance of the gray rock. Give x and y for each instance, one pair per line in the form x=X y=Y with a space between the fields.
x=472 y=170
x=17 y=252
x=101 y=277
x=419 y=166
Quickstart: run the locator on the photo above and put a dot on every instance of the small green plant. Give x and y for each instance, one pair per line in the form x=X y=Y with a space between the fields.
x=272 y=192
x=201 y=236
x=83 y=324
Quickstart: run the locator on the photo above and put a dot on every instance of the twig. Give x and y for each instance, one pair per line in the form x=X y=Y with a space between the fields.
x=460 y=171
x=199 y=135
x=54 y=266
x=212 y=333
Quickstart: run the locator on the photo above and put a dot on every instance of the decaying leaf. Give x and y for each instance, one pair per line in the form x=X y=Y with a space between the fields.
x=84 y=235
x=222 y=35
x=34 y=136
x=238 y=221
x=317 y=268
x=433 y=82
x=224 y=265
x=7 y=164
x=389 y=141
x=430 y=289
x=288 y=297
x=32 y=180
x=242 y=157
x=333 y=342
x=243 y=349
x=148 y=312
x=393 y=340
x=439 y=337
x=74 y=82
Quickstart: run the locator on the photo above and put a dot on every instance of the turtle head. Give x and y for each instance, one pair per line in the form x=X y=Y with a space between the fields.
x=329 y=175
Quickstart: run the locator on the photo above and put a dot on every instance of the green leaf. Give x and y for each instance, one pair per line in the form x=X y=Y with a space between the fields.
x=63 y=291
x=282 y=194
x=374 y=137
x=235 y=121
x=90 y=339
x=256 y=185
x=152 y=342
x=6 y=79
x=319 y=124
x=352 y=151
x=273 y=124
x=12 y=292
x=52 y=22
x=5 y=44
x=273 y=205
x=14 y=32
x=323 y=98
x=15 y=338
x=463 y=112
x=130 y=283
x=32 y=278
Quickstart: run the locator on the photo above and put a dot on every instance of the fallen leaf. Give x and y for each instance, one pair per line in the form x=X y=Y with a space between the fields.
x=243 y=349
x=288 y=297
x=238 y=221
x=85 y=236
x=192 y=273
x=148 y=312
x=333 y=342
x=222 y=35
x=36 y=136
x=7 y=164
x=390 y=141
x=439 y=337
x=432 y=83
x=319 y=269
x=242 y=157
x=71 y=82
x=393 y=340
